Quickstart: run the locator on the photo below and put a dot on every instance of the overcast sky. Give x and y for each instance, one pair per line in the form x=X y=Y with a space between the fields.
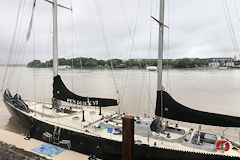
x=198 y=28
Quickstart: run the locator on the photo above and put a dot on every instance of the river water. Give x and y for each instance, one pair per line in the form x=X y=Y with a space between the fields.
x=208 y=90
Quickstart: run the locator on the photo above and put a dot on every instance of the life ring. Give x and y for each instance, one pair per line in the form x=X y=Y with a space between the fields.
x=222 y=144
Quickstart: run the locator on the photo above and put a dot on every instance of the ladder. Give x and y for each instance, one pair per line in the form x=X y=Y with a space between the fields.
x=56 y=135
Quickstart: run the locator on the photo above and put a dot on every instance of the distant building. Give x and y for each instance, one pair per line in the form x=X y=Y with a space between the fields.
x=220 y=62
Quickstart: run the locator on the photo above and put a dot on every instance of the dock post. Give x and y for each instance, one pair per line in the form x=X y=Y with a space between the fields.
x=128 y=138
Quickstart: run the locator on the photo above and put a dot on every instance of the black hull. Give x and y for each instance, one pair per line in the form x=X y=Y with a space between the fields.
x=105 y=148
x=21 y=118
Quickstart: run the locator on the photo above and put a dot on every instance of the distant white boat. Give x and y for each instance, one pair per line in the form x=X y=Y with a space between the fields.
x=151 y=68
x=64 y=67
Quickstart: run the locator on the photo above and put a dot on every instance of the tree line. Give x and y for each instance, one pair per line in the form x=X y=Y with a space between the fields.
x=118 y=63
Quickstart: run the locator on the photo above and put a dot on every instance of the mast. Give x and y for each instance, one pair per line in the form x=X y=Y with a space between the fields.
x=55 y=102
x=55 y=40
x=55 y=48
x=160 y=50
x=160 y=46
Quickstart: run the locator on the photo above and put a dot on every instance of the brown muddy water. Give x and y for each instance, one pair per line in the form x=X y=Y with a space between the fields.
x=209 y=90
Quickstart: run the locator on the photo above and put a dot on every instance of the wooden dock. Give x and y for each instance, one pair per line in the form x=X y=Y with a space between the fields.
x=23 y=148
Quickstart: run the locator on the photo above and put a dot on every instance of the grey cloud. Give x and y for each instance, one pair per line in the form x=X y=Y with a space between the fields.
x=197 y=29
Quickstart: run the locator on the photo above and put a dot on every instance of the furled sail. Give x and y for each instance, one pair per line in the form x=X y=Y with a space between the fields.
x=61 y=92
x=176 y=111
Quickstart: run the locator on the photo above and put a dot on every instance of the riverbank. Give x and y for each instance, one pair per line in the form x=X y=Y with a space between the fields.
x=14 y=147
x=81 y=62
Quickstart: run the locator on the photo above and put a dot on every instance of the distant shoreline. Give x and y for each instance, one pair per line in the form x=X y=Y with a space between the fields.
x=134 y=68
x=81 y=62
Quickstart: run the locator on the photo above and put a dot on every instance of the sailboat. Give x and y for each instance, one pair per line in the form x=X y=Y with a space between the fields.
x=100 y=133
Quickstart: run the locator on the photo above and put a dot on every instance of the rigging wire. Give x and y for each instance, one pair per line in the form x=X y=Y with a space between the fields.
x=168 y=48
x=126 y=74
x=236 y=9
x=102 y=26
x=12 y=45
x=22 y=52
x=98 y=5
x=15 y=47
x=74 y=37
x=72 y=48
x=48 y=46
x=65 y=50
x=238 y=16
x=230 y=27
x=141 y=92
x=149 y=74
x=133 y=48
x=132 y=38
x=62 y=37
x=20 y=48
x=22 y=58
x=149 y=57
x=34 y=69
x=95 y=28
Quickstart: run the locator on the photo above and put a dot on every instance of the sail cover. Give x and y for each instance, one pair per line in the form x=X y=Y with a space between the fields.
x=61 y=92
x=176 y=111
